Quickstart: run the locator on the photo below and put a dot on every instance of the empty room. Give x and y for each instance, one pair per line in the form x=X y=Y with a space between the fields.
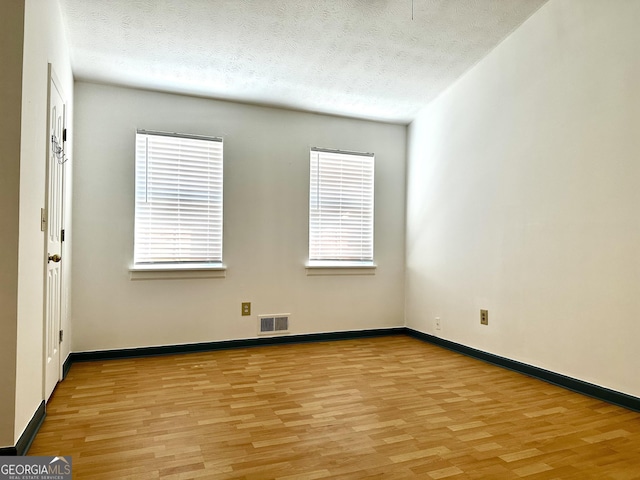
x=334 y=239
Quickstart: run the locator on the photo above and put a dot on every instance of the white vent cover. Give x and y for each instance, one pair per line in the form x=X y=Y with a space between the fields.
x=273 y=324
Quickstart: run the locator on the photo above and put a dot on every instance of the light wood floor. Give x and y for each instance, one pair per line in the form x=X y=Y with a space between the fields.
x=391 y=407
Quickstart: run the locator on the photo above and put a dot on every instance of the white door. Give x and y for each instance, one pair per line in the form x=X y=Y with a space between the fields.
x=53 y=229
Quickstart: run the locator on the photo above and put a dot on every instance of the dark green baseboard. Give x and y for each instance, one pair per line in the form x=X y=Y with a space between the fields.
x=595 y=391
x=26 y=439
x=66 y=366
x=8 y=452
x=229 y=344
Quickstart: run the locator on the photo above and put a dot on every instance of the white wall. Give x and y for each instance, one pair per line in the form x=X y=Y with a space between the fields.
x=44 y=43
x=266 y=155
x=11 y=39
x=523 y=197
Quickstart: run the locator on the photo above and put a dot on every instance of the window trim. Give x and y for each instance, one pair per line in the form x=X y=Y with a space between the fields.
x=340 y=269
x=341 y=266
x=178 y=269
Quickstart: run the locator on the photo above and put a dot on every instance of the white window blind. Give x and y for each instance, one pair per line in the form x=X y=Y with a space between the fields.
x=341 y=207
x=178 y=212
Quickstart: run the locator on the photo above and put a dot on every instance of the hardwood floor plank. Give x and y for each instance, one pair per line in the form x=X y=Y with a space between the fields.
x=388 y=407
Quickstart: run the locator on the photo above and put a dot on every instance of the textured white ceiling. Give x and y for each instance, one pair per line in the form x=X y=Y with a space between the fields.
x=360 y=58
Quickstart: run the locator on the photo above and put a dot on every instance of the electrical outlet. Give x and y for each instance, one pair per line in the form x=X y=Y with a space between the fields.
x=246 y=309
x=438 y=324
x=484 y=317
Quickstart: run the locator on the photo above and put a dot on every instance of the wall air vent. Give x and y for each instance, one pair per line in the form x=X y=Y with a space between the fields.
x=273 y=324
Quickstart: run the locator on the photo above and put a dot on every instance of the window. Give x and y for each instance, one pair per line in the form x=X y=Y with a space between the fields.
x=178 y=211
x=341 y=208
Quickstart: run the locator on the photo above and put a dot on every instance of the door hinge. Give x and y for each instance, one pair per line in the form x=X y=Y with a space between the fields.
x=43 y=220
x=62 y=235
x=61 y=335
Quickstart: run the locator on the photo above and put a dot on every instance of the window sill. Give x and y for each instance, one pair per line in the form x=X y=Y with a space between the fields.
x=161 y=272
x=340 y=268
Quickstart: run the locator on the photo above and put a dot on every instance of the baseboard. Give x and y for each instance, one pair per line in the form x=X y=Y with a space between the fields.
x=595 y=391
x=230 y=344
x=29 y=434
x=8 y=452
x=66 y=366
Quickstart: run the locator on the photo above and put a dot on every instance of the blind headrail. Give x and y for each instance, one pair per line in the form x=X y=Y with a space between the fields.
x=178 y=135
x=346 y=152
